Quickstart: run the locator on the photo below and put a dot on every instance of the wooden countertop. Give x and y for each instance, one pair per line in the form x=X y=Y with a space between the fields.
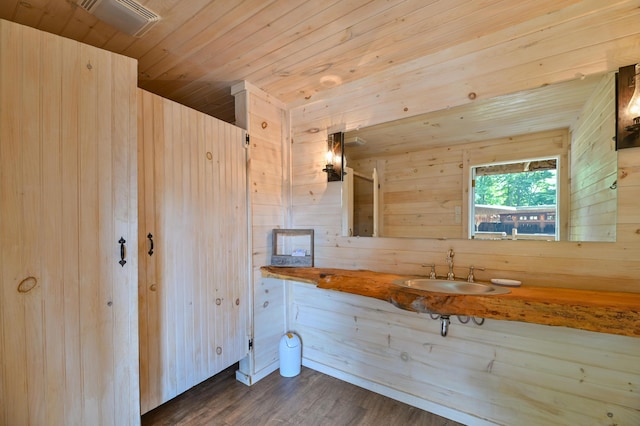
x=604 y=312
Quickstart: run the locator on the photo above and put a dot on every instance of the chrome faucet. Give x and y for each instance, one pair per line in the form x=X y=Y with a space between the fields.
x=471 y=277
x=450 y=275
x=432 y=274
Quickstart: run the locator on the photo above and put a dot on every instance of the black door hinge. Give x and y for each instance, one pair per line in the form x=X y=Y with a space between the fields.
x=250 y=344
x=246 y=140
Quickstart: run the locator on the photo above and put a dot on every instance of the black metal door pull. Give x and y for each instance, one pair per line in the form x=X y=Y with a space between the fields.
x=122 y=261
x=150 y=237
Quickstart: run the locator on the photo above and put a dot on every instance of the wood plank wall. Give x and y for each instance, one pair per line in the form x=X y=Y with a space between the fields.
x=193 y=290
x=501 y=63
x=267 y=123
x=490 y=374
x=421 y=191
x=363 y=213
x=68 y=309
x=316 y=203
x=594 y=167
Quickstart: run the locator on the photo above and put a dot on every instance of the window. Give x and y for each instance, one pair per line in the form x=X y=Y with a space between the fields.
x=516 y=200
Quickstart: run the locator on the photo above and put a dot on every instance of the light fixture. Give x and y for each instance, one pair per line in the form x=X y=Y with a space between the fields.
x=633 y=108
x=628 y=107
x=333 y=167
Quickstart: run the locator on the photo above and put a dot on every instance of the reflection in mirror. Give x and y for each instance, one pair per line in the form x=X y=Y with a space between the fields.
x=516 y=200
x=413 y=177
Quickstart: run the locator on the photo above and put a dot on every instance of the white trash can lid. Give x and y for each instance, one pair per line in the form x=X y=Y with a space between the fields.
x=291 y=340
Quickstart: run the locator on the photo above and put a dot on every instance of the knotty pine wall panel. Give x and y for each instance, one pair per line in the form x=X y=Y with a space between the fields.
x=502 y=63
x=481 y=379
x=193 y=289
x=267 y=123
x=594 y=167
x=68 y=312
x=363 y=214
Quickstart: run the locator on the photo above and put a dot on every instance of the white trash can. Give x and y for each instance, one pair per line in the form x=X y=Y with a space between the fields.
x=290 y=355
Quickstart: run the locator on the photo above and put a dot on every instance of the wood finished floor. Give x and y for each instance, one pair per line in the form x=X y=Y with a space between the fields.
x=309 y=399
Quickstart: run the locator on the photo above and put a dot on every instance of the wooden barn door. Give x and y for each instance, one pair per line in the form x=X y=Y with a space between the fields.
x=193 y=247
x=68 y=307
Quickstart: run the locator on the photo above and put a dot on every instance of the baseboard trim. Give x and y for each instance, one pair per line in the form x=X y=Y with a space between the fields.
x=412 y=400
x=250 y=379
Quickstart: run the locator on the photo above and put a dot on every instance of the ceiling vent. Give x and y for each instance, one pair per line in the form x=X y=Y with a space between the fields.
x=124 y=15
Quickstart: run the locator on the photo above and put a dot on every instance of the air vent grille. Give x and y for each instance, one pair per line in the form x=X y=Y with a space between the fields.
x=88 y=4
x=140 y=9
x=125 y=15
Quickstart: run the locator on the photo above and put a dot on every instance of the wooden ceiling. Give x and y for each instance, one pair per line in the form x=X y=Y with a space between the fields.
x=292 y=49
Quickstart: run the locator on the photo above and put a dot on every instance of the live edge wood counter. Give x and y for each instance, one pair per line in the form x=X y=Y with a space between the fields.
x=604 y=312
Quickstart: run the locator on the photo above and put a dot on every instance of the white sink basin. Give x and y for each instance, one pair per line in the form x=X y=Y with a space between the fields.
x=452 y=287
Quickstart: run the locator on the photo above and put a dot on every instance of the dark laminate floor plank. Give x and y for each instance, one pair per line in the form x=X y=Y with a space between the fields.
x=309 y=399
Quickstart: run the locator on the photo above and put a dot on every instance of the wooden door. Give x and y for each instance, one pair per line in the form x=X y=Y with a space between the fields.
x=193 y=287
x=68 y=309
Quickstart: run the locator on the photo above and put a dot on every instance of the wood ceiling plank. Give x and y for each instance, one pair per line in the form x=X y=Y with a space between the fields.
x=362 y=55
x=79 y=24
x=29 y=13
x=272 y=37
x=469 y=48
x=223 y=111
x=56 y=16
x=526 y=34
x=191 y=70
x=216 y=95
x=438 y=33
x=192 y=21
x=307 y=45
x=513 y=72
x=174 y=84
x=119 y=42
x=238 y=66
x=267 y=37
x=99 y=34
x=433 y=37
x=216 y=98
x=201 y=33
x=8 y=9
x=344 y=23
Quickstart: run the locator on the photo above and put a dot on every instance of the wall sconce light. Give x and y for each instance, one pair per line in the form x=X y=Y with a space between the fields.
x=628 y=108
x=634 y=103
x=334 y=158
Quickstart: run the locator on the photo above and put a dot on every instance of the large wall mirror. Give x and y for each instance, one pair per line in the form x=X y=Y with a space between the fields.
x=417 y=177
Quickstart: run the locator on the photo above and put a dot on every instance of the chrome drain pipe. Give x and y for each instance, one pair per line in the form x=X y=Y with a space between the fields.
x=444 y=325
